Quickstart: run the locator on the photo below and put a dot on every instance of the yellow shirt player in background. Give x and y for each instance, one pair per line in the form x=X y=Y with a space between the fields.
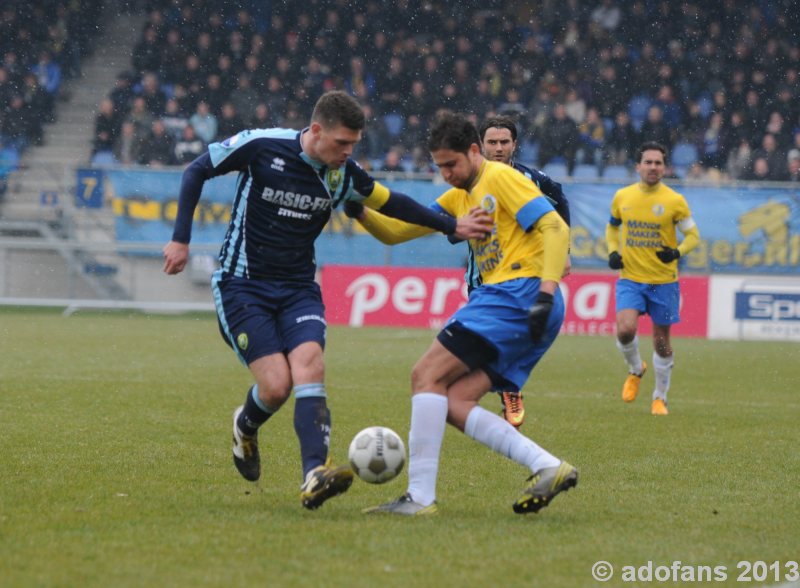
x=497 y=338
x=643 y=245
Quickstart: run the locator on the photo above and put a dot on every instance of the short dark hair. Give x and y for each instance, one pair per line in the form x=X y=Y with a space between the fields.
x=650 y=146
x=338 y=108
x=499 y=122
x=452 y=131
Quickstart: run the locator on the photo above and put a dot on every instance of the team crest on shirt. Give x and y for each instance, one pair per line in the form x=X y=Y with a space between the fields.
x=488 y=203
x=242 y=341
x=231 y=141
x=658 y=209
x=333 y=178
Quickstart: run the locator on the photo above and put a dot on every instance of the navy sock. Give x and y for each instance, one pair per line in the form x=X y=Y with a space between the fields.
x=254 y=414
x=312 y=423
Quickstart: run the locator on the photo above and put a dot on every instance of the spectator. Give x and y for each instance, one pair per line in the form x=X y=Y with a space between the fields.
x=140 y=116
x=794 y=165
x=106 y=127
x=147 y=53
x=262 y=118
x=392 y=162
x=158 y=148
x=174 y=119
x=37 y=108
x=154 y=98
x=244 y=98
x=122 y=94
x=16 y=130
x=714 y=143
x=760 y=171
x=128 y=145
x=623 y=140
x=204 y=123
x=775 y=159
x=607 y=15
x=229 y=121
x=592 y=147
x=48 y=75
x=188 y=147
x=559 y=138
x=359 y=81
x=740 y=160
x=655 y=129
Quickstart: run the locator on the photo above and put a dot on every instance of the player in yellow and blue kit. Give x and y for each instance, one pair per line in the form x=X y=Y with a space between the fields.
x=498 y=136
x=496 y=339
x=643 y=245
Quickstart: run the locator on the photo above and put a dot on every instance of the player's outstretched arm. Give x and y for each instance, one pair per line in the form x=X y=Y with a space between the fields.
x=385 y=229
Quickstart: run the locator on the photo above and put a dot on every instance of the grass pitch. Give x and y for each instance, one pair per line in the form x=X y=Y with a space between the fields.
x=116 y=471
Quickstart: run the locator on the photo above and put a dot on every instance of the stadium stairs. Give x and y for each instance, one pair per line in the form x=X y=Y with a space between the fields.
x=41 y=193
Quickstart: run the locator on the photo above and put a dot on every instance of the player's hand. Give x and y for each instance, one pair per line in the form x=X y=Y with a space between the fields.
x=354 y=210
x=538 y=315
x=615 y=260
x=175 y=257
x=668 y=254
x=475 y=225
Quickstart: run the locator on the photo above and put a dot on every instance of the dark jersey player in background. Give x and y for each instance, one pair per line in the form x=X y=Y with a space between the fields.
x=498 y=143
x=269 y=307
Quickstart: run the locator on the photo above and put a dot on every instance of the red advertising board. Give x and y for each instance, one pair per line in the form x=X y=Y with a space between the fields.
x=591 y=310
x=424 y=297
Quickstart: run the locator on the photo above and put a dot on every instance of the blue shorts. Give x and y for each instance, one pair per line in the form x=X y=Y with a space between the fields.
x=258 y=318
x=660 y=301
x=498 y=313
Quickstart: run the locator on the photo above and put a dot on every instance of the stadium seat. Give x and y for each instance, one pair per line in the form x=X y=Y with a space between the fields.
x=616 y=172
x=637 y=110
x=556 y=170
x=684 y=155
x=585 y=171
x=394 y=123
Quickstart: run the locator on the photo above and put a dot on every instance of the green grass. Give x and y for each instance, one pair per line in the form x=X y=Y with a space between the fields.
x=115 y=465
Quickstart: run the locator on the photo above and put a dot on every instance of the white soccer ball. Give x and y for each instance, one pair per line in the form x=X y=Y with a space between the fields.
x=377 y=454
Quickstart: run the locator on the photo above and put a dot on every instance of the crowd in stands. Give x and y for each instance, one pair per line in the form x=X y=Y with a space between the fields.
x=41 y=45
x=718 y=83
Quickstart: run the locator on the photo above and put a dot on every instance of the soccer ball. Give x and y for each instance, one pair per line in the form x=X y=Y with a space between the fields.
x=377 y=454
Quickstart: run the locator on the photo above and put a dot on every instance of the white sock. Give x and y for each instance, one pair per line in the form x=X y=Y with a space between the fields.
x=663 y=369
x=500 y=436
x=428 y=421
x=630 y=352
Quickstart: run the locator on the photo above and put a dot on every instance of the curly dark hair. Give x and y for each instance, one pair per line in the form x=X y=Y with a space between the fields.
x=452 y=131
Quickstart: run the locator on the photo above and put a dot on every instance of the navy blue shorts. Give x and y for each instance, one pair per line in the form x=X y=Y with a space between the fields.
x=258 y=318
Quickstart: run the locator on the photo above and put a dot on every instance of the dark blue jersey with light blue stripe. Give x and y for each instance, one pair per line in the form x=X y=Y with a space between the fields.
x=283 y=200
x=552 y=191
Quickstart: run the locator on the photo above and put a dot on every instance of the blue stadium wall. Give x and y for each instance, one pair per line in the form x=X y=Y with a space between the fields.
x=744 y=228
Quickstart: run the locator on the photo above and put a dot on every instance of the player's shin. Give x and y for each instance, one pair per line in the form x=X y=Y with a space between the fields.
x=428 y=421
x=312 y=424
x=499 y=436
x=663 y=371
x=254 y=413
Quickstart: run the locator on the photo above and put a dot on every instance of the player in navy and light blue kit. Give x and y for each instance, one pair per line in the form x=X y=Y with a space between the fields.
x=269 y=307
